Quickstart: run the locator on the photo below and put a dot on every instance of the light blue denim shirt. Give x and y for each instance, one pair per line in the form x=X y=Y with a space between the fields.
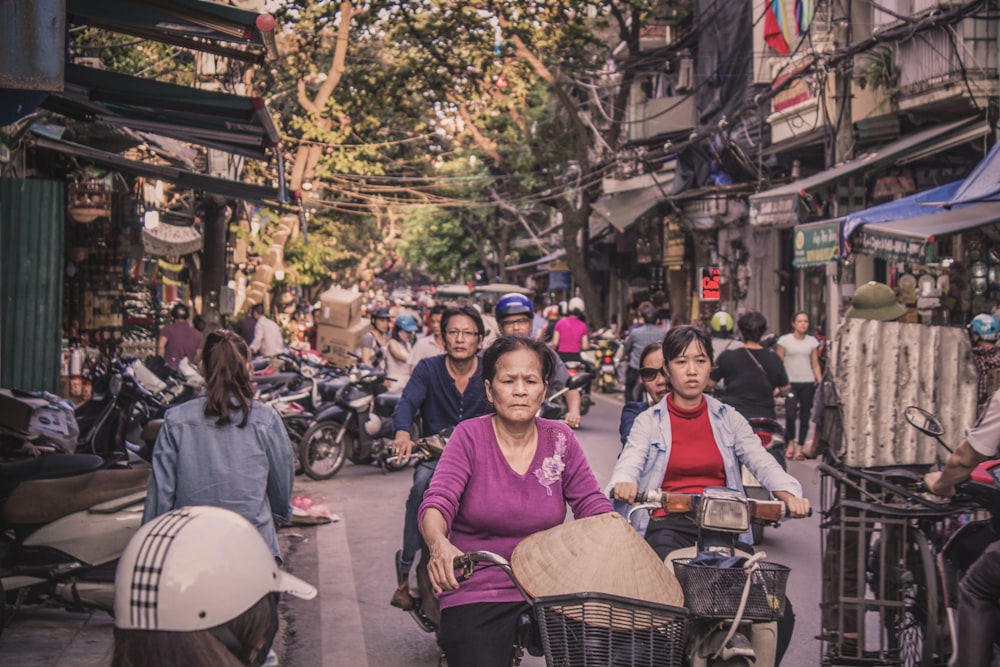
x=248 y=470
x=644 y=459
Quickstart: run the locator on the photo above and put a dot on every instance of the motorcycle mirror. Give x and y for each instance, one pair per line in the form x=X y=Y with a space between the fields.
x=927 y=423
x=578 y=381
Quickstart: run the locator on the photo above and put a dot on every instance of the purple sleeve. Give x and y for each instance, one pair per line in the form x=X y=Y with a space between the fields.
x=580 y=487
x=451 y=475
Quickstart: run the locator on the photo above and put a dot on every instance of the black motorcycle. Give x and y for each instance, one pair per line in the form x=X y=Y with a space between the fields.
x=357 y=426
x=300 y=398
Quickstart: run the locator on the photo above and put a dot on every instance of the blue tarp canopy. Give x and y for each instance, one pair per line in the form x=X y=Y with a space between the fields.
x=983 y=184
x=922 y=203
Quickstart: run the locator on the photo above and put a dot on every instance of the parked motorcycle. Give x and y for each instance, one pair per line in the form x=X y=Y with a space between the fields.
x=64 y=521
x=733 y=606
x=298 y=401
x=357 y=426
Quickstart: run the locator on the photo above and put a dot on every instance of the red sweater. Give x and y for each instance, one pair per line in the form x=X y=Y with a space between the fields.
x=695 y=461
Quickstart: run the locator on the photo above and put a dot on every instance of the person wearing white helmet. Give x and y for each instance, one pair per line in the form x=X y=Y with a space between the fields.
x=199 y=587
x=571 y=335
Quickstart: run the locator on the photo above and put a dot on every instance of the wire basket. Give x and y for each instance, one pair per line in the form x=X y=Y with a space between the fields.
x=598 y=630
x=715 y=592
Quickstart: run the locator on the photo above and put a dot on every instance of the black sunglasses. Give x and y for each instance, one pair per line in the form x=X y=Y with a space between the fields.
x=649 y=374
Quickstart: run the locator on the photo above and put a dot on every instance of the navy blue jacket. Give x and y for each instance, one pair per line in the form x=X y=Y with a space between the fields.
x=431 y=391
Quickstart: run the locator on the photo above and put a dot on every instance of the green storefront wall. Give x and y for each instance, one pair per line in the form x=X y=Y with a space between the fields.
x=31 y=283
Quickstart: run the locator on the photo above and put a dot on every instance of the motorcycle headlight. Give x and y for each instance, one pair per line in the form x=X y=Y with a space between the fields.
x=724 y=509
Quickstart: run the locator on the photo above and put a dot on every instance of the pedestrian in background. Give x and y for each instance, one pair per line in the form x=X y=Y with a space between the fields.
x=432 y=344
x=179 y=339
x=800 y=352
x=398 y=350
x=638 y=338
x=223 y=448
x=246 y=327
x=268 y=340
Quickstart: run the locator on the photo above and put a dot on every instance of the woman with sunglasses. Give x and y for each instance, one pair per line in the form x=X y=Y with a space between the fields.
x=653 y=378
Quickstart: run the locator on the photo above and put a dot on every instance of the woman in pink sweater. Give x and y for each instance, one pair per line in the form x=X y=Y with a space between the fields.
x=501 y=478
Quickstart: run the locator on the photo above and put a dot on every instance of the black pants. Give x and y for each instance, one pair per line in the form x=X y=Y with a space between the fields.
x=670 y=533
x=480 y=634
x=799 y=405
x=978 y=613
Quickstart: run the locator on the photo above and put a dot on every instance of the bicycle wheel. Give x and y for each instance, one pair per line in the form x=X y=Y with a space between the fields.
x=912 y=630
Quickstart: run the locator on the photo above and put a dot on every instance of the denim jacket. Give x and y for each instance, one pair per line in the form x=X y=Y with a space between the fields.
x=248 y=470
x=644 y=459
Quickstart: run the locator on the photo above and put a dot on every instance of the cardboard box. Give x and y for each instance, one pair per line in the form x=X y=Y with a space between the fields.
x=337 y=343
x=339 y=308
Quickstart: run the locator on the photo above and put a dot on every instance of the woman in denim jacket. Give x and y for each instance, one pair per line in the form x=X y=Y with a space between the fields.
x=224 y=449
x=689 y=441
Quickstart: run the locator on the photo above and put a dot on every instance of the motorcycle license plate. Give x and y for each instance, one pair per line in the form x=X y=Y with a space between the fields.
x=607 y=368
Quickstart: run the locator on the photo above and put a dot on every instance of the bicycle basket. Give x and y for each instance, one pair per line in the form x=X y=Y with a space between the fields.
x=599 y=630
x=715 y=592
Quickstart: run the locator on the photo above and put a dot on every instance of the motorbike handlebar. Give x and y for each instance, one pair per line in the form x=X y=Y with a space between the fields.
x=680 y=503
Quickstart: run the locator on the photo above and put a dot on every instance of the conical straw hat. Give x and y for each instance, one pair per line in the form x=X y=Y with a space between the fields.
x=599 y=554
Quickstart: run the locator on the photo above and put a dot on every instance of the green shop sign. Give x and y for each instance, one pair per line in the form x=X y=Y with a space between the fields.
x=816 y=243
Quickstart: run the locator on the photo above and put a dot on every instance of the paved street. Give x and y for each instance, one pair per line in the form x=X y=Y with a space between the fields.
x=351 y=622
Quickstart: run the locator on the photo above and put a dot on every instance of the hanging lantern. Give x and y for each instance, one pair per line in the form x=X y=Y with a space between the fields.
x=88 y=196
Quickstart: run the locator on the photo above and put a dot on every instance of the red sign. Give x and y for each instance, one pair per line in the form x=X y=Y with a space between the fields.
x=710 y=283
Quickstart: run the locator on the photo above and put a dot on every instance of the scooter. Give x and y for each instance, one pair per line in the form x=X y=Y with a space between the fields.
x=64 y=521
x=357 y=426
x=577 y=368
x=606 y=365
x=734 y=599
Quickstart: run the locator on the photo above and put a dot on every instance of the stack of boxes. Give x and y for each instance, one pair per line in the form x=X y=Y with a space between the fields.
x=339 y=327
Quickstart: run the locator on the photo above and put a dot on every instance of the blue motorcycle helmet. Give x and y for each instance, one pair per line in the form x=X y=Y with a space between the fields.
x=407 y=323
x=985 y=326
x=513 y=304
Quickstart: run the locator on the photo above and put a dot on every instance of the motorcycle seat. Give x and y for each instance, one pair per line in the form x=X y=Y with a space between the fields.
x=46 y=467
x=40 y=501
x=274 y=379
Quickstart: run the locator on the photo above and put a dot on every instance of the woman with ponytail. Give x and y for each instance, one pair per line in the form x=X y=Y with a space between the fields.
x=224 y=449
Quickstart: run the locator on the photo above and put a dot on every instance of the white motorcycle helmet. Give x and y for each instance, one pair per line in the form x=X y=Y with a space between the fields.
x=196 y=568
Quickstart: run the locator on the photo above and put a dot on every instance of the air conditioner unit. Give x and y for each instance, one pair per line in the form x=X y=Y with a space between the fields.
x=89 y=61
x=685 y=74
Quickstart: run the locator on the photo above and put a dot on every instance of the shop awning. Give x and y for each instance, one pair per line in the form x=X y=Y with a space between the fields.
x=907 y=239
x=624 y=208
x=779 y=207
x=232 y=123
x=193 y=24
x=256 y=194
x=816 y=243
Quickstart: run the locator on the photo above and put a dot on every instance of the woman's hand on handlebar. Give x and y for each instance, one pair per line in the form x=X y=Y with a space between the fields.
x=798 y=508
x=625 y=491
x=441 y=567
